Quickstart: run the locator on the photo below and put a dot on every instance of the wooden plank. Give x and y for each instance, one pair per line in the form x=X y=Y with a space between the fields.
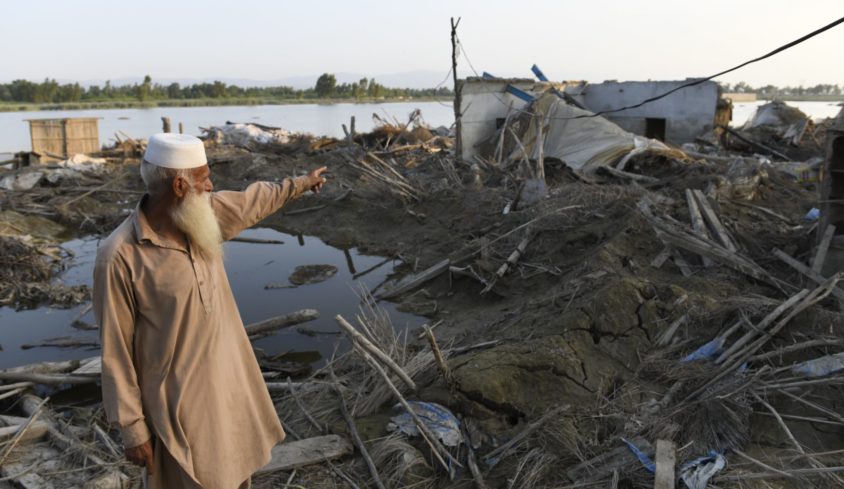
x=660 y=259
x=666 y=458
x=711 y=218
x=698 y=225
x=94 y=367
x=414 y=281
x=36 y=431
x=292 y=455
x=808 y=272
x=823 y=247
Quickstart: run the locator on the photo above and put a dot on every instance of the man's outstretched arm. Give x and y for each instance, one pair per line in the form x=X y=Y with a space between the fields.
x=237 y=211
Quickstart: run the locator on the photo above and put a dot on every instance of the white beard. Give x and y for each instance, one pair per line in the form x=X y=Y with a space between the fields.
x=195 y=217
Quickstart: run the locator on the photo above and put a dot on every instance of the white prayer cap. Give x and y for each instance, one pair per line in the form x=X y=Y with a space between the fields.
x=177 y=151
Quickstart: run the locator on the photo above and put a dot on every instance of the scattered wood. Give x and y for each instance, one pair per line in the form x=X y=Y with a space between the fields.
x=262 y=328
x=756 y=144
x=625 y=175
x=414 y=281
x=245 y=239
x=304 y=210
x=666 y=458
x=823 y=246
x=511 y=261
x=360 y=340
x=295 y=454
x=372 y=268
x=439 y=452
x=604 y=465
x=20 y=431
x=711 y=218
x=63 y=342
x=440 y=359
x=808 y=272
x=320 y=428
x=698 y=224
x=353 y=430
x=661 y=257
x=674 y=236
x=48 y=379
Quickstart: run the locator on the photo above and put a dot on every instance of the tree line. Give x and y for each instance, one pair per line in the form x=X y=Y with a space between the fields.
x=326 y=87
x=826 y=89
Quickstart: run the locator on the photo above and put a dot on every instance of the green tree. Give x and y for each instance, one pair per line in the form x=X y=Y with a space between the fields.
x=218 y=89
x=144 y=88
x=174 y=90
x=326 y=85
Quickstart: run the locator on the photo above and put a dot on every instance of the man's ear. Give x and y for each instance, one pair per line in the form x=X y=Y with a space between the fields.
x=181 y=187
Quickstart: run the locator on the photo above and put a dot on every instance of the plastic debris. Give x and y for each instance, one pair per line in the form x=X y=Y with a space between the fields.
x=649 y=465
x=821 y=367
x=812 y=215
x=705 y=352
x=696 y=473
x=249 y=135
x=442 y=422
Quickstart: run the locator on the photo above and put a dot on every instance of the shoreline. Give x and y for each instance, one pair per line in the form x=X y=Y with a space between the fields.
x=134 y=104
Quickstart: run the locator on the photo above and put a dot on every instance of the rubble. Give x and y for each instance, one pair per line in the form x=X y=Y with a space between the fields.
x=679 y=296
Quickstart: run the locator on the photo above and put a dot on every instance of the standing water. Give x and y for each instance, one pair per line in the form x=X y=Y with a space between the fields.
x=250 y=267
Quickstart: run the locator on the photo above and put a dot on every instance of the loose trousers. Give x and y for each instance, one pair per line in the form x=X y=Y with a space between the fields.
x=170 y=475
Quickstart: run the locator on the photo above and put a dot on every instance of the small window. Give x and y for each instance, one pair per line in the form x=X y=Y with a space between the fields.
x=655 y=129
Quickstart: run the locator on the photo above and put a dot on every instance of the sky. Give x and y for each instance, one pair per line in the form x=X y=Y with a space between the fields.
x=592 y=40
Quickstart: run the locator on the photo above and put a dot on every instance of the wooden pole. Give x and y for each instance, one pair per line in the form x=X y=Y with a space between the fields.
x=181 y=128
x=539 y=172
x=457 y=98
x=165 y=124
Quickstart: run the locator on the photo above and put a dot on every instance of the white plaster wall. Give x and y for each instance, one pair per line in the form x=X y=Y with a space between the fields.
x=482 y=103
x=688 y=112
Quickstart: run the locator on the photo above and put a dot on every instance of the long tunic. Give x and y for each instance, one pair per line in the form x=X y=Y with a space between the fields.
x=176 y=357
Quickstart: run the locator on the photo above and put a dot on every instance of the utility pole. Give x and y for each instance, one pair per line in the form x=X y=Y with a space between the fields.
x=457 y=98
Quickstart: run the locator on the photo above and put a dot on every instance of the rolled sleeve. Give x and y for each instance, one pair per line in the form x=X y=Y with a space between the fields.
x=237 y=211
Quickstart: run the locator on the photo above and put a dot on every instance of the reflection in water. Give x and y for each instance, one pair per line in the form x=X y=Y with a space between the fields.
x=250 y=268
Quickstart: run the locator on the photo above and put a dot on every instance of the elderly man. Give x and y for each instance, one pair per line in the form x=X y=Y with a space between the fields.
x=179 y=375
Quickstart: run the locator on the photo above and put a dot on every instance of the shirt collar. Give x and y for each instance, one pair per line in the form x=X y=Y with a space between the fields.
x=144 y=232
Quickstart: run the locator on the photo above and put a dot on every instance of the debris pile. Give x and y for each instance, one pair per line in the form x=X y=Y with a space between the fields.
x=608 y=315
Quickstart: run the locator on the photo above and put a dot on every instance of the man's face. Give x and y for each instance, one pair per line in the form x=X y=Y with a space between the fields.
x=202 y=179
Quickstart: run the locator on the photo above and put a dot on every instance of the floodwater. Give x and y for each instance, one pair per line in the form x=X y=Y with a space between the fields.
x=317 y=119
x=250 y=267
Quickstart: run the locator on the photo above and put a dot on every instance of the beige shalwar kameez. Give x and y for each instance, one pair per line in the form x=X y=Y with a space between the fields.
x=177 y=363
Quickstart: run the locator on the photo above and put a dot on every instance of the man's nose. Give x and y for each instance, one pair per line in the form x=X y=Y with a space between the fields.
x=209 y=187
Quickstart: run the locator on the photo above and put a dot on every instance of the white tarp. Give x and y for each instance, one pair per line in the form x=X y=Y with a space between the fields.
x=585 y=143
x=248 y=135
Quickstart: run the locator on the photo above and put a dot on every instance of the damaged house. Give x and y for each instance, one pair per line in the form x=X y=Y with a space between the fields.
x=678 y=118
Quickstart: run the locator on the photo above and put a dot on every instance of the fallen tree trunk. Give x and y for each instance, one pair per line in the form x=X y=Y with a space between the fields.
x=267 y=326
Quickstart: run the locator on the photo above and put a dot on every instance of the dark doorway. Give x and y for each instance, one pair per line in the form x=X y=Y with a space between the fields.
x=836 y=185
x=655 y=129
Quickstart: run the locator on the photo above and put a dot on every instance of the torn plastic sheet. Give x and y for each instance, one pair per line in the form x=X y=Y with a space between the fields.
x=438 y=419
x=649 y=465
x=706 y=352
x=821 y=367
x=696 y=473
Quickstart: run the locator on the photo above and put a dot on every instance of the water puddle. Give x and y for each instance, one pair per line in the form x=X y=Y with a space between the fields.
x=250 y=268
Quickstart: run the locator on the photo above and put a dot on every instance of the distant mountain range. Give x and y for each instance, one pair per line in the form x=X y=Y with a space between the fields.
x=408 y=79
